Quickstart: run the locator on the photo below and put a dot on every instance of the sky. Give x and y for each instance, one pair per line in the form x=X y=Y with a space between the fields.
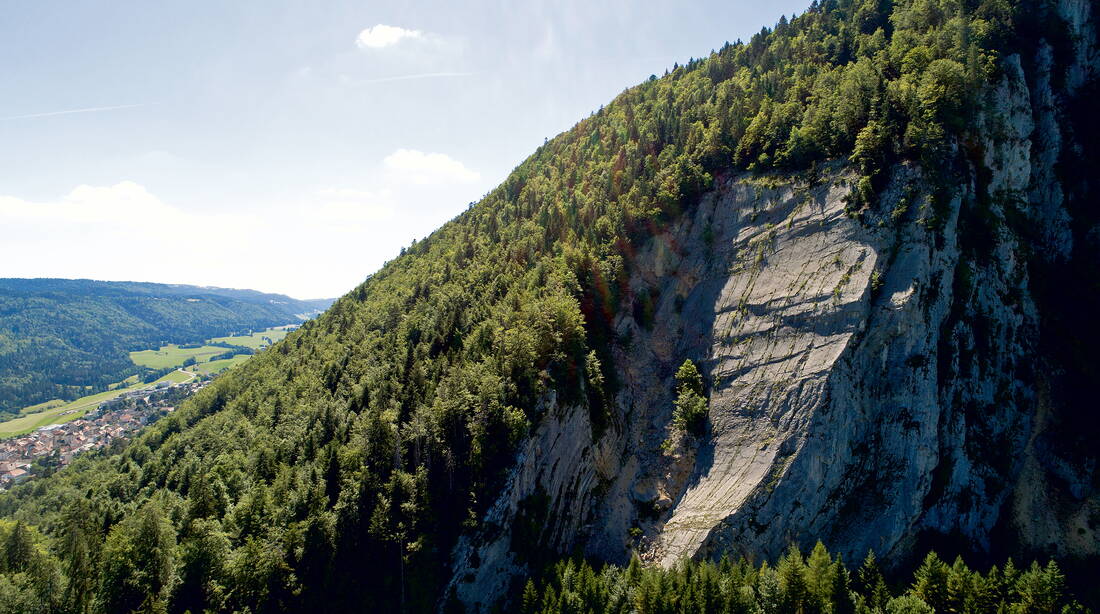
x=296 y=146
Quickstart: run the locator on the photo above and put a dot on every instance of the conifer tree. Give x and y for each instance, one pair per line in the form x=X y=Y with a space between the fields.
x=690 y=412
x=930 y=582
x=138 y=566
x=17 y=549
x=792 y=581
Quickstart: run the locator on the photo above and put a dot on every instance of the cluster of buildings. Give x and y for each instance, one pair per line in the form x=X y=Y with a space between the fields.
x=54 y=446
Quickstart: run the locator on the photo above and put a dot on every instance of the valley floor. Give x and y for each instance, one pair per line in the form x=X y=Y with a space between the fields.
x=83 y=428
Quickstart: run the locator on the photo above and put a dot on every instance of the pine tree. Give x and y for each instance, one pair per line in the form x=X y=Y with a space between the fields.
x=792 y=581
x=870 y=584
x=529 y=602
x=821 y=578
x=80 y=569
x=960 y=587
x=1040 y=589
x=17 y=549
x=930 y=582
x=138 y=567
x=769 y=591
x=204 y=556
x=842 y=591
x=909 y=604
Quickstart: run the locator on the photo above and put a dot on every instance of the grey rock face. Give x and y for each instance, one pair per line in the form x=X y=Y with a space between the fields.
x=875 y=382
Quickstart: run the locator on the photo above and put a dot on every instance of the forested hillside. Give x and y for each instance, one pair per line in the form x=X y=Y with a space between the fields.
x=344 y=468
x=62 y=338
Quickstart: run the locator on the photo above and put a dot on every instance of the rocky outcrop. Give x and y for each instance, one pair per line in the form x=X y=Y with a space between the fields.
x=765 y=283
x=767 y=310
x=877 y=381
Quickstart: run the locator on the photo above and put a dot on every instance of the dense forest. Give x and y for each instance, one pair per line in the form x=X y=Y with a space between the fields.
x=337 y=470
x=816 y=583
x=65 y=338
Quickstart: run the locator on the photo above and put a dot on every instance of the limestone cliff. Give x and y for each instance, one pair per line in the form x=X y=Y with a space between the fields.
x=882 y=379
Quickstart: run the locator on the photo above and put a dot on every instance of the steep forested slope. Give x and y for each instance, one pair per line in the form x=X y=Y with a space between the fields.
x=836 y=222
x=60 y=336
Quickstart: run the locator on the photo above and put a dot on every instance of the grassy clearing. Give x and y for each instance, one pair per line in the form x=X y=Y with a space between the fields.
x=129 y=381
x=173 y=356
x=256 y=340
x=60 y=412
x=176 y=377
x=41 y=407
x=217 y=366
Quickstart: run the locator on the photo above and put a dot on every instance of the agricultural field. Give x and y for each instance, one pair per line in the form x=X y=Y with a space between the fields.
x=256 y=340
x=57 y=412
x=177 y=377
x=217 y=366
x=133 y=379
x=41 y=407
x=174 y=356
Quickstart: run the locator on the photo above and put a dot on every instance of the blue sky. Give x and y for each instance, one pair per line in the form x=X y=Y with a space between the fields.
x=295 y=146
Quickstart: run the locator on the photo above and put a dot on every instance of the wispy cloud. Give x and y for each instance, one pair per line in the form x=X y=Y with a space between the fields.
x=425 y=75
x=72 y=111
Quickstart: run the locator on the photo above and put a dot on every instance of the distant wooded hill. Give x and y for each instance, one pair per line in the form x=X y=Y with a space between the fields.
x=58 y=337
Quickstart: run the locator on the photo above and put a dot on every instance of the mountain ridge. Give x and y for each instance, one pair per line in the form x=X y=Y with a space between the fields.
x=54 y=284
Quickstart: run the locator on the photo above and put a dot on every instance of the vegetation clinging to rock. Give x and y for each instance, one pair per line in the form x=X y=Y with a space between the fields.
x=690 y=413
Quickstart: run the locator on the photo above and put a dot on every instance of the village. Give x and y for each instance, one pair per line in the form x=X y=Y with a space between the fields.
x=51 y=447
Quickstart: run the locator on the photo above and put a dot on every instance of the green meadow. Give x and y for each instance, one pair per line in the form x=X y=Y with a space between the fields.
x=174 y=356
x=42 y=407
x=177 y=377
x=217 y=366
x=256 y=340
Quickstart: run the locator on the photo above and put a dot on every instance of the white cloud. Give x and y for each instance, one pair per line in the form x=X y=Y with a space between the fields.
x=428 y=168
x=119 y=231
x=123 y=203
x=381 y=35
x=128 y=206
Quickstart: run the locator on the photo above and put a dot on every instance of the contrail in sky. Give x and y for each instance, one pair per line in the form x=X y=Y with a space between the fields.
x=71 y=111
x=427 y=75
